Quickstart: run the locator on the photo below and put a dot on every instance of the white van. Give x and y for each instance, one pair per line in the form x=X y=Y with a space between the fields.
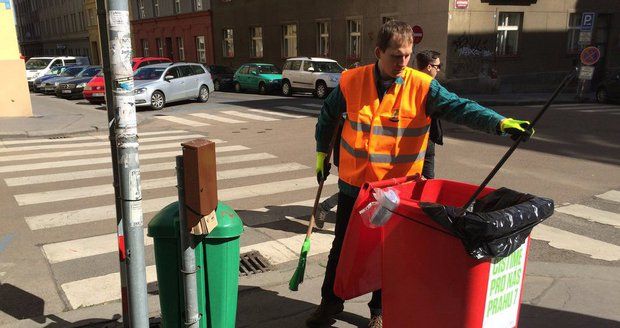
x=39 y=66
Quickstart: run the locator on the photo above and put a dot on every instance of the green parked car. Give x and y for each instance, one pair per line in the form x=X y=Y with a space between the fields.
x=263 y=78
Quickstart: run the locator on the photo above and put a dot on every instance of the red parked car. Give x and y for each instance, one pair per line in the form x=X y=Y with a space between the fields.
x=94 y=91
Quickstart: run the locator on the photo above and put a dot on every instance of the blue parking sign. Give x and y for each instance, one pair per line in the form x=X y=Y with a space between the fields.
x=587 y=21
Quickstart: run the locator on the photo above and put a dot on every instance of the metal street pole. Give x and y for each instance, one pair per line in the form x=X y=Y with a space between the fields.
x=107 y=76
x=126 y=137
x=188 y=263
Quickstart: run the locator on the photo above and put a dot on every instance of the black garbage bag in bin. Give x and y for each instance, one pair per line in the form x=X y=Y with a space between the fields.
x=499 y=223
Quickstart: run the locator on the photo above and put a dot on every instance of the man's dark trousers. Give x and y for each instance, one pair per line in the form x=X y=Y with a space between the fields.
x=345 y=207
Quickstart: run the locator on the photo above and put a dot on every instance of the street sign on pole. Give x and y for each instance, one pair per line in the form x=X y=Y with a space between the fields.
x=586 y=72
x=418 y=34
x=587 y=21
x=590 y=56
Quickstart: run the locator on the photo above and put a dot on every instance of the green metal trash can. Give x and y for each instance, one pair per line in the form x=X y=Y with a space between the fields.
x=217 y=261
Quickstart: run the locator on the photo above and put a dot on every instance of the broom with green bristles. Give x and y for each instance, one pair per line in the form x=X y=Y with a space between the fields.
x=298 y=276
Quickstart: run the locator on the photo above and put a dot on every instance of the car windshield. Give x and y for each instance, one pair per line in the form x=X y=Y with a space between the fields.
x=72 y=71
x=90 y=72
x=221 y=70
x=268 y=70
x=327 y=67
x=56 y=70
x=34 y=63
x=149 y=73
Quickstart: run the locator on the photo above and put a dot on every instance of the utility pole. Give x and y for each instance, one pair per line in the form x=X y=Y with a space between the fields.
x=102 y=19
x=119 y=82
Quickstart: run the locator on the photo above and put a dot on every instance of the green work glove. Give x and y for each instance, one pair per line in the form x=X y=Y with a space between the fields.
x=322 y=166
x=516 y=128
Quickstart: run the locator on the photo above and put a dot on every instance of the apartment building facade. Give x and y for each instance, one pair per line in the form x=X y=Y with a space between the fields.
x=178 y=29
x=486 y=45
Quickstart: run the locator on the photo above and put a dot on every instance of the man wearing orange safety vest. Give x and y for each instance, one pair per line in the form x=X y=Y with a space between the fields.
x=387 y=108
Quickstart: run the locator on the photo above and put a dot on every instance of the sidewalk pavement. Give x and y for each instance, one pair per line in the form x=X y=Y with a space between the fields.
x=64 y=118
x=555 y=295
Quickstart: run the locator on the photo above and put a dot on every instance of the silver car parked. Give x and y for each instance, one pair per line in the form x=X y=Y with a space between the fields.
x=156 y=85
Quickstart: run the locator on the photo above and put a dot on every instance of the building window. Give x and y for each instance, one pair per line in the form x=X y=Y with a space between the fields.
x=141 y=13
x=155 y=8
x=256 y=47
x=289 y=40
x=197 y=5
x=160 y=47
x=228 y=45
x=201 y=53
x=354 y=27
x=181 y=48
x=323 y=40
x=574 y=27
x=508 y=27
x=145 y=48
x=177 y=6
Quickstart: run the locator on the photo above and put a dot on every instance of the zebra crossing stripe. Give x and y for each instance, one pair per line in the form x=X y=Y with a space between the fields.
x=71 y=139
x=182 y=121
x=250 y=116
x=591 y=214
x=103 y=244
x=84 y=247
x=299 y=110
x=101 y=289
x=94 y=144
x=612 y=195
x=107 y=189
x=59 y=219
x=565 y=240
x=103 y=160
x=89 y=174
x=68 y=153
x=97 y=290
x=217 y=118
x=268 y=112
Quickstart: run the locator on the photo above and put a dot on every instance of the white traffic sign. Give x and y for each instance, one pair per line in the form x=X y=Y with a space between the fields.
x=586 y=72
x=587 y=21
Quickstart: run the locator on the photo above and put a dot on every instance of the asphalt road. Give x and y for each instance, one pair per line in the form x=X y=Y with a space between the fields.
x=57 y=238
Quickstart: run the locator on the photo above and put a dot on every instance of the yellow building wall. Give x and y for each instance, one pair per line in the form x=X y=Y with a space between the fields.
x=14 y=94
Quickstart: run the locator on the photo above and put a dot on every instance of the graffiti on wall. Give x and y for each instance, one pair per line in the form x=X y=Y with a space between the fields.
x=474 y=58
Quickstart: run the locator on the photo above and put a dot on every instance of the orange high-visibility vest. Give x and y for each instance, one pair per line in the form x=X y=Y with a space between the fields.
x=383 y=139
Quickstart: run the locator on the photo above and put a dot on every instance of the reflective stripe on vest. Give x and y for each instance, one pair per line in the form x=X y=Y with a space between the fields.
x=387 y=138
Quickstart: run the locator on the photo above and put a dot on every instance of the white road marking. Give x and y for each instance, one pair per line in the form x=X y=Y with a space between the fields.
x=97 y=290
x=71 y=139
x=217 y=118
x=287 y=249
x=299 y=110
x=85 y=247
x=93 y=214
x=88 y=174
x=182 y=121
x=103 y=160
x=82 y=145
x=250 y=116
x=268 y=112
x=612 y=195
x=591 y=214
x=565 y=240
x=81 y=152
x=107 y=189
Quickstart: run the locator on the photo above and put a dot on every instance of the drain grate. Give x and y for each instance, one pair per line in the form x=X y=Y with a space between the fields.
x=252 y=263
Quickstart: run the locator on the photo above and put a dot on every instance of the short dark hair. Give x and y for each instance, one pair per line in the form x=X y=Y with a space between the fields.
x=394 y=29
x=425 y=57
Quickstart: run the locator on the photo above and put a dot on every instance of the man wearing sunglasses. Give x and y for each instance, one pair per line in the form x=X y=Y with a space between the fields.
x=428 y=62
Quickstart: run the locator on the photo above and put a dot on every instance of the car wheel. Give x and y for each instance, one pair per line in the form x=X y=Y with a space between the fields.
x=286 y=88
x=601 y=95
x=158 y=100
x=262 y=89
x=203 y=94
x=216 y=85
x=320 y=90
x=237 y=87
